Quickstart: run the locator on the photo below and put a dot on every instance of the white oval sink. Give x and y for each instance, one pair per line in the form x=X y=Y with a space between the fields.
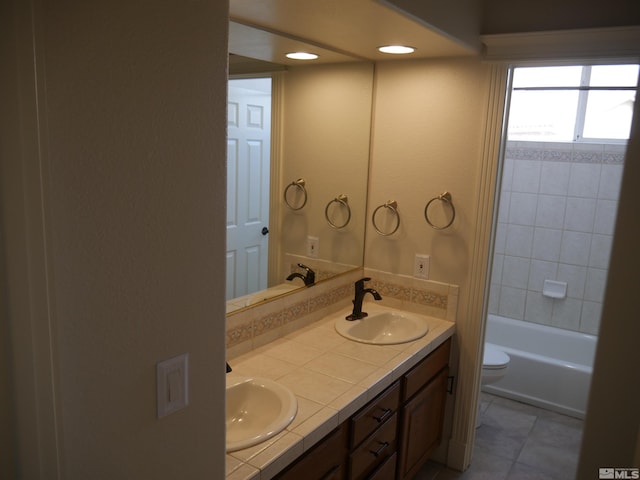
x=384 y=328
x=257 y=409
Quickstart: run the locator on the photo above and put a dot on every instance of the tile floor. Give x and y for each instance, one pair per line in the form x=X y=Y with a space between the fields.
x=516 y=441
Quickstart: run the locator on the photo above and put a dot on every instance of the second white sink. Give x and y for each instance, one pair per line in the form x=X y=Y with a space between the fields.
x=257 y=409
x=384 y=327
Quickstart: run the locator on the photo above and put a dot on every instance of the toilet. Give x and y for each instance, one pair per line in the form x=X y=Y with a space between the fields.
x=495 y=363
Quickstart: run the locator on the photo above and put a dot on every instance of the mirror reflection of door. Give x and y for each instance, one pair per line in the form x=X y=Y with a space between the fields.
x=248 y=168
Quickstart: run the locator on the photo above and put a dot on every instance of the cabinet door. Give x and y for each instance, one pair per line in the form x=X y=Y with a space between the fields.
x=325 y=461
x=422 y=373
x=422 y=425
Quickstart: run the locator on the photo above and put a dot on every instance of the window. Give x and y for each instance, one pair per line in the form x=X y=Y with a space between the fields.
x=574 y=103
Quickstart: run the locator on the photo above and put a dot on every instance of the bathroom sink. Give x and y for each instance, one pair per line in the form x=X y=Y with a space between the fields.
x=257 y=409
x=384 y=327
x=270 y=293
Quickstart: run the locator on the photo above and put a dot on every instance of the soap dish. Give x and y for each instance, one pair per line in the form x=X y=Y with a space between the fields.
x=554 y=289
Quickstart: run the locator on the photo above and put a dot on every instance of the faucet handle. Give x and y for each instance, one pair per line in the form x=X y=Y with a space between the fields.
x=360 y=283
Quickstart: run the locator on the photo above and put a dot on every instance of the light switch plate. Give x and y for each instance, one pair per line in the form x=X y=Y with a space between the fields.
x=172 y=384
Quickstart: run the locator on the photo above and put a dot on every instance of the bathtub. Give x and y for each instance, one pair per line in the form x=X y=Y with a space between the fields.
x=549 y=368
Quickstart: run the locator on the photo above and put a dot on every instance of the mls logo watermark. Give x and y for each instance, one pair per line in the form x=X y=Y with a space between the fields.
x=624 y=473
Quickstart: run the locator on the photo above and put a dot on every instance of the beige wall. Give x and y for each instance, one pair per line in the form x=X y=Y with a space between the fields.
x=427 y=139
x=9 y=100
x=326 y=129
x=129 y=267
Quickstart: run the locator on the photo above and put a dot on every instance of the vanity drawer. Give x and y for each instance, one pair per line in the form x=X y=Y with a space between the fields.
x=387 y=470
x=374 y=450
x=374 y=415
x=422 y=373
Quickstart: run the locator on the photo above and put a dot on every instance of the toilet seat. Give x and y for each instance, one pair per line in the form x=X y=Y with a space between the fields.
x=494 y=358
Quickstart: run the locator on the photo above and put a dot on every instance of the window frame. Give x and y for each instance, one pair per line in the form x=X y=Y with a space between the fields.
x=581 y=109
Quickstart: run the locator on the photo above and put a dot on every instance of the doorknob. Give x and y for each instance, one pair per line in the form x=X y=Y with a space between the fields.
x=265 y=230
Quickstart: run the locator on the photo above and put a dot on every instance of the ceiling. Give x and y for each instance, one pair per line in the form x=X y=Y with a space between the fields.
x=337 y=30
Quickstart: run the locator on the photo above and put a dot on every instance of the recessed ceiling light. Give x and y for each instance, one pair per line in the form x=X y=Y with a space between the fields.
x=302 y=56
x=396 y=49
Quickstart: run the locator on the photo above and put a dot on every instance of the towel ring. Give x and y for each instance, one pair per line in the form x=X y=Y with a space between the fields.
x=299 y=184
x=445 y=198
x=393 y=206
x=341 y=200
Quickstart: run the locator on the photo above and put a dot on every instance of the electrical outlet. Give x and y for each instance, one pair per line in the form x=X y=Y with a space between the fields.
x=421 y=266
x=313 y=243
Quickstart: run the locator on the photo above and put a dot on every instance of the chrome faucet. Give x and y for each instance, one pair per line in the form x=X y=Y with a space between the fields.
x=309 y=276
x=357 y=313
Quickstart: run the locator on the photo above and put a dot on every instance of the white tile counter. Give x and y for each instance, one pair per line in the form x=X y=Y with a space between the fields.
x=332 y=378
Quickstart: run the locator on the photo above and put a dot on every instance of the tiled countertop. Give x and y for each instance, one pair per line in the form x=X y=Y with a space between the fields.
x=332 y=378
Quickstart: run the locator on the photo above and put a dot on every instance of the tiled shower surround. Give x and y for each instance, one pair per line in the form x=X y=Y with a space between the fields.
x=556 y=218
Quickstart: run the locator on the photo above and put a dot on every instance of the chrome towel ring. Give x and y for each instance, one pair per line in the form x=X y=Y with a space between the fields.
x=392 y=206
x=446 y=199
x=341 y=200
x=300 y=188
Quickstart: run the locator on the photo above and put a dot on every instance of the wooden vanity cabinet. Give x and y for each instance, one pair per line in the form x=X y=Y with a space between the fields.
x=362 y=447
x=424 y=394
x=325 y=461
x=389 y=438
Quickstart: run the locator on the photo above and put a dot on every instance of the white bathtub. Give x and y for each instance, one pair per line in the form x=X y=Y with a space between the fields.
x=549 y=368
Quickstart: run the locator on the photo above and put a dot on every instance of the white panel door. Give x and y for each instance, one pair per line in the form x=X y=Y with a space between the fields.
x=248 y=166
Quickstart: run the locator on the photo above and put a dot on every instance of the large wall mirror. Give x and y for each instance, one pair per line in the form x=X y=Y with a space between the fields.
x=298 y=161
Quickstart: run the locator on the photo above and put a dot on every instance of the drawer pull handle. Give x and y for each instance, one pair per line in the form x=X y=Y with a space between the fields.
x=386 y=413
x=377 y=452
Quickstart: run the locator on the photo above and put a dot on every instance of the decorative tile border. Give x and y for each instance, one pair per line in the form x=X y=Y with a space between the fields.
x=518 y=153
x=430 y=298
x=411 y=294
x=555 y=155
x=297 y=310
x=267 y=323
x=267 y=319
x=566 y=152
x=427 y=297
x=613 y=158
x=239 y=334
x=392 y=290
